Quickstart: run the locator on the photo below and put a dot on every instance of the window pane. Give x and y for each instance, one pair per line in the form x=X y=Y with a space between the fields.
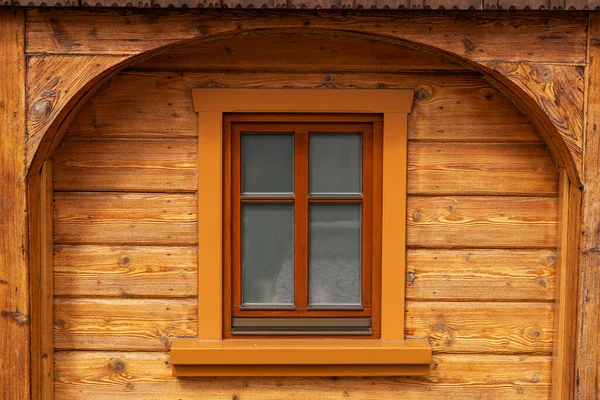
x=335 y=254
x=267 y=163
x=335 y=163
x=267 y=254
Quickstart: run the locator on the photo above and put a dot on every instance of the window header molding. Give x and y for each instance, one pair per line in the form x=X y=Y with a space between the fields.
x=303 y=100
x=199 y=357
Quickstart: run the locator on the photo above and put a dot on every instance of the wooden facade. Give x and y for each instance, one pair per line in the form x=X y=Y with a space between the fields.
x=101 y=178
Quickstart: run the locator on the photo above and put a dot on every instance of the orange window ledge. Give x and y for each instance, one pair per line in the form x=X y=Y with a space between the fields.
x=300 y=357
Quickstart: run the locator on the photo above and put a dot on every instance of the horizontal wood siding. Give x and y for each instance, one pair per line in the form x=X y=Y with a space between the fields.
x=481 y=215
x=135 y=375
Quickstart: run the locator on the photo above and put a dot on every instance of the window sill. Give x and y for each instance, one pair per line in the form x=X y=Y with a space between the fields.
x=300 y=357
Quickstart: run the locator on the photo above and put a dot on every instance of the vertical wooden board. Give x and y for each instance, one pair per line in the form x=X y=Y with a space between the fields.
x=34 y=212
x=14 y=269
x=122 y=324
x=127 y=272
x=567 y=274
x=125 y=218
x=135 y=375
x=46 y=281
x=479 y=327
x=588 y=324
x=126 y=165
x=481 y=222
x=480 y=275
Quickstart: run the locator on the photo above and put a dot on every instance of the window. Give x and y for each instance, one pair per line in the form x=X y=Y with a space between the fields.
x=303 y=201
x=216 y=351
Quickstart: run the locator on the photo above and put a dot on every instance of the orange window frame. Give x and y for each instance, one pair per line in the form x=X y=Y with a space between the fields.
x=210 y=354
x=370 y=125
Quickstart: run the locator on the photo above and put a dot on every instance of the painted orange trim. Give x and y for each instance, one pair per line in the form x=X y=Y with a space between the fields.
x=393 y=226
x=348 y=357
x=210 y=206
x=302 y=370
x=211 y=104
x=303 y=100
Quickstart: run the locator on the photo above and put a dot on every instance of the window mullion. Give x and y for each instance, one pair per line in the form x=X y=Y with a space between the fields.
x=301 y=219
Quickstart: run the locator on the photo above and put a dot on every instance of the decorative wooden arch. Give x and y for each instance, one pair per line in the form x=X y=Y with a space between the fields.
x=58 y=87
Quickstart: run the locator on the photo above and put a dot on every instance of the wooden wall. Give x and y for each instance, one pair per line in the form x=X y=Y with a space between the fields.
x=482 y=217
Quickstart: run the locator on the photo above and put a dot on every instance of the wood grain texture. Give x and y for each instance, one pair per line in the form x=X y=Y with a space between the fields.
x=35 y=282
x=52 y=82
x=149 y=324
x=474 y=37
x=126 y=165
x=479 y=327
x=480 y=275
x=135 y=375
x=483 y=222
x=558 y=90
x=567 y=277
x=122 y=324
x=588 y=323
x=162 y=101
x=128 y=272
x=322 y=51
x=14 y=268
x=130 y=219
x=481 y=169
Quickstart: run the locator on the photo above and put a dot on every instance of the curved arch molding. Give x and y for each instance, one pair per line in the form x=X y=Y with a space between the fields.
x=537 y=59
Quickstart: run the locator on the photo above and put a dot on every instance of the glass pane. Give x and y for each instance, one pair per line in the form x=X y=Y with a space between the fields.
x=267 y=254
x=335 y=163
x=267 y=163
x=334 y=271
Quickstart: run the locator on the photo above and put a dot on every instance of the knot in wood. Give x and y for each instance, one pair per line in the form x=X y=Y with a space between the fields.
x=542 y=74
x=125 y=261
x=40 y=109
x=61 y=323
x=416 y=216
x=422 y=94
x=410 y=277
x=535 y=332
x=117 y=365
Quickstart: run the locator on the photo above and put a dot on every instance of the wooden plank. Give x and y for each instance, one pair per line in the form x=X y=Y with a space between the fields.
x=540 y=37
x=126 y=165
x=35 y=236
x=446 y=107
x=53 y=85
x=481 y=169
x=150 y=324
x=125 y=219
x=14 y=268
x=46 y=281
x=588 y=322
x=478 y=327
x=142 y=271
x=481 y=275
x=322 y=51
x=481 y=222
x=135 y=375
x=122 y=324
x=567 y=275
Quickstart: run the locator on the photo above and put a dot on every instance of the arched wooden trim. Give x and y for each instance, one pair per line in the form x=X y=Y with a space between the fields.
x=562 y=153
